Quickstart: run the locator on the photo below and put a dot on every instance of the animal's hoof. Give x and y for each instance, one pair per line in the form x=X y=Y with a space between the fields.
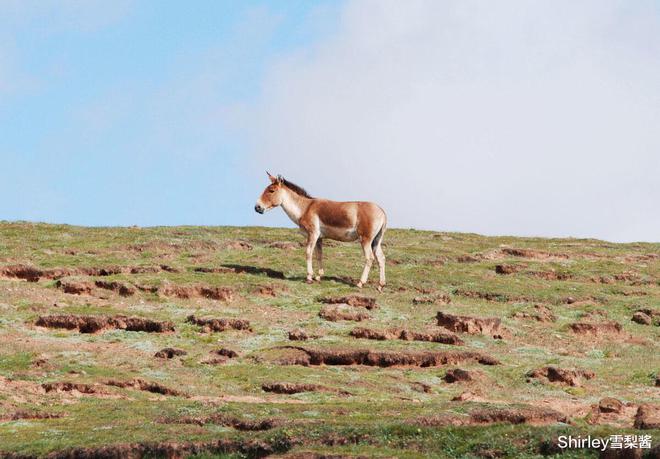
x=317 y=278
x=380 y=288
x=359 y=285
x=309 y=280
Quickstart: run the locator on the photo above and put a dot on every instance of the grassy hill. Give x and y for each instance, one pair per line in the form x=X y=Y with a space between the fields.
x=536 y=332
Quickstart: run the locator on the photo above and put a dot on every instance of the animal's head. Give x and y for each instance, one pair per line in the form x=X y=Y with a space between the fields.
x=272 y=196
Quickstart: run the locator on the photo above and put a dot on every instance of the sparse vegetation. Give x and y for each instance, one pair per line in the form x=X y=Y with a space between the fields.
x=231 y=299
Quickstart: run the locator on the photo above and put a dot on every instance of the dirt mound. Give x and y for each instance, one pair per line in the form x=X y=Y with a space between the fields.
x=66 y=386
x=508 y=269
x=352 y=300
x=169 y=353
x=225 y=420
x=646 y=316
x=551 y=275
x=29 y=415
x=488 y=296
x=121 y=288
x=219 y=325
x=26 y=272
x=647 y=417
x=378 y=358
x=610 y=405
x=196 y=291
x=75 y=287
x=491 y=326
x=541 y=313
x=147 y=386
x=524 y=415
x=93 y=324
x=336 y=312
x=454 y=375
x=467 y=259
x=434 y=336
x=563 y=376
x=608 y=328
x=247 y=448
x=432 y=299
x=236 y=245
x=290 y=388
x=533 y=254
x=226 y=352
x=298 y=334
x=284 y=245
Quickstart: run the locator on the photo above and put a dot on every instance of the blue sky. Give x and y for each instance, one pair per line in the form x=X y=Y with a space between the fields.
x=511 y=117
x=108 y=111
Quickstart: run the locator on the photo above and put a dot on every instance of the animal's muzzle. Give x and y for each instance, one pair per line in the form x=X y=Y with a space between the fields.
x=259 y=209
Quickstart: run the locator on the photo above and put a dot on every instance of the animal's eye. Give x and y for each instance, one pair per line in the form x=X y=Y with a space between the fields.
x=270 y=190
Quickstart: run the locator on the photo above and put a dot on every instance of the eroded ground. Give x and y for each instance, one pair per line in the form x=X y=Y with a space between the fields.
x=188 y=341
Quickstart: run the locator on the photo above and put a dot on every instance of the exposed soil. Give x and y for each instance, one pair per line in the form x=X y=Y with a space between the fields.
x=352 y=300
x=296 y=388
x=336 y=312
x=169 y=353
x=226 y=352
x=237 y=245
x=147 y=386
x=121 y=288
x=66 y=386
x=284 y=245
x=597 y=329
x=454 y=375
x=568 y=377
x=432 y=299
x=249 y=448
x=488 y=296
x=298 y=334
x=435 y=336
x=648 y=416
x=491 y=326
x=225 y=420
x=540 y=313
x=509 y=269
x=75 y=287
x=467 y=259
x=647 y=316
x=379 y=358
x=550 y=275
x=34 y=274
x=525 y=415
x=219 y=325
x=93 y=324
x=28 y=415
x=197 y=291
x=532 y=254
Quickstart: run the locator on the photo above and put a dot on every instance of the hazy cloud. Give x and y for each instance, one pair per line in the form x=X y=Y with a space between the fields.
x=526 y=118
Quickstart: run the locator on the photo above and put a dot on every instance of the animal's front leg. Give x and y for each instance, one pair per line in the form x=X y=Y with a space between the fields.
x=319 y=258
x=309 y=252
x=369 y=259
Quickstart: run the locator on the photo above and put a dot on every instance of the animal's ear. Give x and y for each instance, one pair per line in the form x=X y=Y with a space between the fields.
x=280 y=179
x=272 y=179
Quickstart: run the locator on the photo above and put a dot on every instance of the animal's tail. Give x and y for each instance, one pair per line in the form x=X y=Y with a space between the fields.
x=378 y=237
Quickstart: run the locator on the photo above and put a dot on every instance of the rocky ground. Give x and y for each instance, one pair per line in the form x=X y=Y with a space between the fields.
x=206 y=342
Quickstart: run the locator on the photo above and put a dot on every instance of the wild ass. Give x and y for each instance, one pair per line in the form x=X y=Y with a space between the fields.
x=322 y=218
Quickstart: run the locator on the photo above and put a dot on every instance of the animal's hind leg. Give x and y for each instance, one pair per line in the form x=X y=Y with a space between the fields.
x=369 y=257
x=309 y=251
x=380 y=258
x=319 y=258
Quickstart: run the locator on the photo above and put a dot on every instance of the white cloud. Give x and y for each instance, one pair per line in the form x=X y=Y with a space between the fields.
x=527 y=118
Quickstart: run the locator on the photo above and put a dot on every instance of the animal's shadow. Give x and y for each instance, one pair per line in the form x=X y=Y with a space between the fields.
x=275 y=274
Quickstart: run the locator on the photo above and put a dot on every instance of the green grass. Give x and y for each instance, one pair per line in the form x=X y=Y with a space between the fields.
x=380 y=416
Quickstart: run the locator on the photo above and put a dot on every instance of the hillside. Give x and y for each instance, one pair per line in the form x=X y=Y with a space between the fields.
x=191 y=341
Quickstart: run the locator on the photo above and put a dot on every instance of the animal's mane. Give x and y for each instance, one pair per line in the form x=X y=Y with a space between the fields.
x=295 y=188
